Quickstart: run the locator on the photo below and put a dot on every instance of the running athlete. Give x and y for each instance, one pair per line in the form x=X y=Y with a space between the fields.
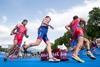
x=42 y=35
x=19 y=31
x=77 y=33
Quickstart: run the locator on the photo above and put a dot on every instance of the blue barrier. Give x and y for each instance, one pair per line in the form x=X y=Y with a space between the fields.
x=2 y=54
x=83 y=53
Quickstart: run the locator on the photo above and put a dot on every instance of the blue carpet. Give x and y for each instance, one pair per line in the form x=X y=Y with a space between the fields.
x=35 y=62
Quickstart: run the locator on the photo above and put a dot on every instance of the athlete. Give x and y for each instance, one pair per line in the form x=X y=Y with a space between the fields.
x=78 y=34
x=42 y=35
x=19 y=31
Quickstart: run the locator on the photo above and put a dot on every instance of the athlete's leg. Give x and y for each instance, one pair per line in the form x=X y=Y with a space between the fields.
x=79 y=45
x=87 y=43
x=49 y=50
x=79 y=35
x=12 y=50
x=38 y=41
x=48 y=47
x=18 y=48
x=89 y=53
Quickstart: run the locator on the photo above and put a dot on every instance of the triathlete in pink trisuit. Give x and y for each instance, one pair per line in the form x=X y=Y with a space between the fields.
x=19 y=31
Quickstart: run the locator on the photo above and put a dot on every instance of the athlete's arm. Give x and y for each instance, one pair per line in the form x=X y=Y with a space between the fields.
x=26 y=35
x=51 y=27
x=46 y=23
x=13 y=30
x=67 y=27
x=82 y=20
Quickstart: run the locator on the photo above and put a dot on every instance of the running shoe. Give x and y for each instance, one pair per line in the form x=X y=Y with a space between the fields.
x=76 y=58
x=54 y=59
x=5 y=59
x=91 y=55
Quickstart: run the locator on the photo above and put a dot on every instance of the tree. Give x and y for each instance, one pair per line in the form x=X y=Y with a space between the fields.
x=62 y=40
x=93 y=24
